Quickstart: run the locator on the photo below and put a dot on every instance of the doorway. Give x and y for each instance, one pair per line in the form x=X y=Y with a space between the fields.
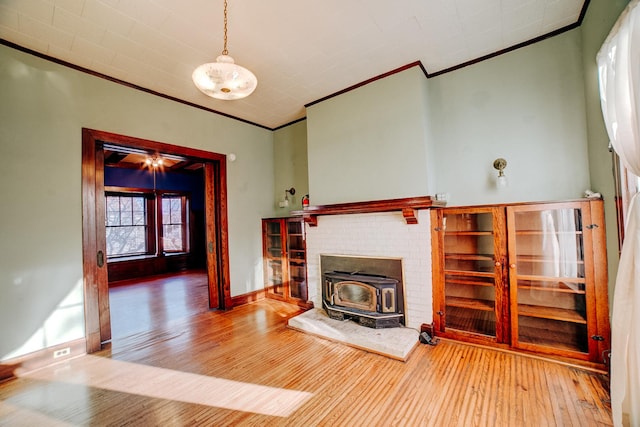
x=95 y=277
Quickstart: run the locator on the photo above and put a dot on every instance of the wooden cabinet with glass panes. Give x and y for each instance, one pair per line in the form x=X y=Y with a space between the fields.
x=526 y=276
x=284 y=259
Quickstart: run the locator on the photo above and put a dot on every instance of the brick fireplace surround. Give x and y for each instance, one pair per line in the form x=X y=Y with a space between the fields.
x=395 y=229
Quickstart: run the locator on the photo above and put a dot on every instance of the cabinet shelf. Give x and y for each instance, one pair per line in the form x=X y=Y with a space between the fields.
x=467 y=233
x=559 y=287
x=543 y=260
x=472 y=303
x=468 y=281
x=538 y=278
x=548 y=233
x=468 y=257
x=551 y=313
x=469 y=273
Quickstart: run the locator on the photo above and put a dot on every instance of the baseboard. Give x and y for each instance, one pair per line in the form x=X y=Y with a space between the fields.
x=247 y=298
x=41 y=358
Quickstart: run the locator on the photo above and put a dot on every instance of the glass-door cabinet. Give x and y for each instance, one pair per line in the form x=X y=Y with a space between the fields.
x=284 y=260
x=524 y=276
x=468 y=258
x=551 y=270
x=296 y=249
x=274 y=246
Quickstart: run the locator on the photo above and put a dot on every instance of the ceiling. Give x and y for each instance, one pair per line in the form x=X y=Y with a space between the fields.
x=300 y=50
x=134 y=158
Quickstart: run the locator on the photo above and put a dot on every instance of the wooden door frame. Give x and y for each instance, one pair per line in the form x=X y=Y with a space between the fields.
x=95 y=279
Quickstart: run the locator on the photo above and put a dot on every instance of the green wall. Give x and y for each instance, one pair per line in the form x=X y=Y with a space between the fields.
x=526 y=106
x=371 y=143
x=407 y=135
x=291 y=166
x=43 y=108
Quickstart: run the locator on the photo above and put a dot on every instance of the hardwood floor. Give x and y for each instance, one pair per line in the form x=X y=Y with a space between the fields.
x=242 y=367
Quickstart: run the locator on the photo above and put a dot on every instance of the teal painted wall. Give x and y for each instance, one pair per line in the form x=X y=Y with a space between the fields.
x=526 y=106
x=370 y=143
x=408 y=136
x=43 y=108
x=291 y=166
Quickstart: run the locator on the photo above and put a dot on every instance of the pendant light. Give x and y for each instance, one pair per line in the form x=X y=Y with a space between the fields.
x=224 y=79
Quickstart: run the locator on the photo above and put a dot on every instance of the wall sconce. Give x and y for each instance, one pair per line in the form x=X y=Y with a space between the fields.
x=285 y=202
x=500 y=165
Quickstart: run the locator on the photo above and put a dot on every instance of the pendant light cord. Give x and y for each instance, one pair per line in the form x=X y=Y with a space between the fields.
x=225 y=51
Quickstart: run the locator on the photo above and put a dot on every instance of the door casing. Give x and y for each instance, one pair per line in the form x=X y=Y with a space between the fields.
x=95 y=279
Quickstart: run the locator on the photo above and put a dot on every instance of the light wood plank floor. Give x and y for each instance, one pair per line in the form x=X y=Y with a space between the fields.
x=245 y=367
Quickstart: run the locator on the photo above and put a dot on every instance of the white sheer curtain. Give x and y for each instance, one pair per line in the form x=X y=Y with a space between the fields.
x=619 y=68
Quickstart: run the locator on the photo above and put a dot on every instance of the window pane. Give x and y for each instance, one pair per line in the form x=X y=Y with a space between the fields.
x=172 y=238
x=126 y=222
x=125 y=204
x=139 y=218
x=176 y=216
x=126 y=240
x=139 y=204
x=113 y=218
x=126 y=218
x=113 y=203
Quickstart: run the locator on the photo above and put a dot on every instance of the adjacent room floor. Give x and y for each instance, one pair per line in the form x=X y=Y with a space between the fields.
x=174 y=362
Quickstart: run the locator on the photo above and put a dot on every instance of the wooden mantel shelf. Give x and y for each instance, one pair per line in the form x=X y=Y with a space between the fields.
x=408 y=207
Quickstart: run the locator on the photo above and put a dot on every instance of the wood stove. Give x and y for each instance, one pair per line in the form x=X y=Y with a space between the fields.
x=372 y=300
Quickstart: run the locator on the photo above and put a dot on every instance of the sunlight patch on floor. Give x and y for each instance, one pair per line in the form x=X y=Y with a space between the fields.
x=161 y=383
x=16 y=416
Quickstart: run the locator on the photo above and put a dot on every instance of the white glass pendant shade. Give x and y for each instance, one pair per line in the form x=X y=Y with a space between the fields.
x=224 y=79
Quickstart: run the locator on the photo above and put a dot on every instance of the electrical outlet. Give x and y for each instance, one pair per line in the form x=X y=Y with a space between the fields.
x=62 y=352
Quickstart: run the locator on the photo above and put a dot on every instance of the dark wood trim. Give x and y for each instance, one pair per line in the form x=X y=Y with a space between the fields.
x=90 y=246
x=371 y=80
x=211 y=245
x=290 y=123
x=96 y=287
x=248 y=297
x=154 y=146
x=124 y=83
x=511 y=48
x=220 y=170
x=408 y=206
x=101 y=239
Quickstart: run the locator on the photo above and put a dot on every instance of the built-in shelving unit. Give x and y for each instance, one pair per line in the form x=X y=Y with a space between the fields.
x=529 y=276
x=284 y=259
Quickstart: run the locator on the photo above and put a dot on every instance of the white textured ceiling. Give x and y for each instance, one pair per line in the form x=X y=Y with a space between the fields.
x=300 y=50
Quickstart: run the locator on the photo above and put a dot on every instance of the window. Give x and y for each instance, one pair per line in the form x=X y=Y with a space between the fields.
x=127 y=225
x=174 y=223
x=132 y=228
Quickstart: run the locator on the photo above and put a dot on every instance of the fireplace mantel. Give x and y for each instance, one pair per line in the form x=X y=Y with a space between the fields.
x=408 y=207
